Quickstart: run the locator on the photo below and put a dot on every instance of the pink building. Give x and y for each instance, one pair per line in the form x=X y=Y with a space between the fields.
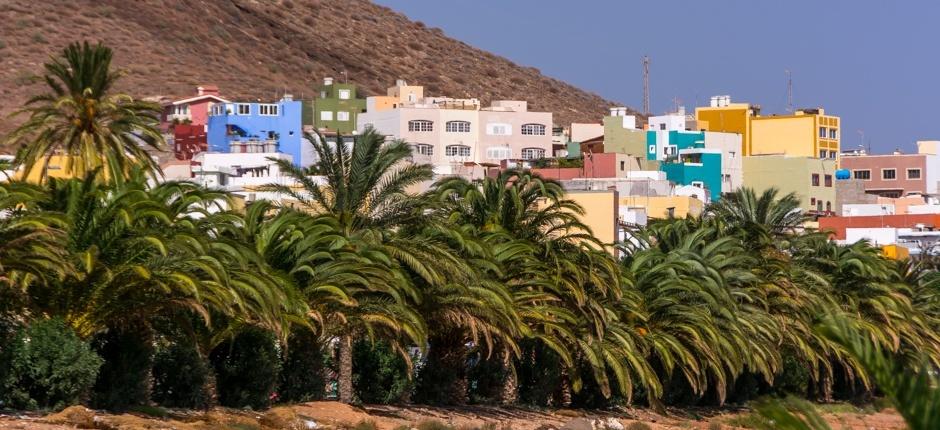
x=193 y=110
x=895 y=175
x=188 y=118
x=458 y=136
x=602 y=165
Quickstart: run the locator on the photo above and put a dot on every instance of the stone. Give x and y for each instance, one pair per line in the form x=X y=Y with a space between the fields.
x=77 y=416
x=579 y=424
x=613 y=424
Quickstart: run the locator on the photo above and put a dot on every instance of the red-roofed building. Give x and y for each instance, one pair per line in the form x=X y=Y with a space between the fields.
x=188 y=118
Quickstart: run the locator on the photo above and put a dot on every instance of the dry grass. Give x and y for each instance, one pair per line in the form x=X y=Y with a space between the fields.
x=256 y=49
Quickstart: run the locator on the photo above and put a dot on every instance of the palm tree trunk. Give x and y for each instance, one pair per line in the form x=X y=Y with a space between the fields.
x=443 y=379
x=346 y=393
x=510 y=391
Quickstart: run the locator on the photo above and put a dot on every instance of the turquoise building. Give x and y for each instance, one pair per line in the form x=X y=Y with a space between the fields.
x=685 y=159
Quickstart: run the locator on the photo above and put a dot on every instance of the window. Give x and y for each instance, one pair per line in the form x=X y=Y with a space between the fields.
x=822 y=131
x=498 y=153
x=731 y=154
x=828 y=180
x=828 y=206
x=342 y=116
x=662 y=126
x=819 y=205
x=422 y=149
x=913 y=173
x=623 y=165
x=698 y=184
x=457 y=151
x=243 y=109
x=326 y=115
x=344 y=94
x=420 y=125
x=864 y=175
x=533 y=130
x=832 y=155
x=889 y=174
x=499 y=129
x=833 y=133
x=815 y=179
x=823 y=153
x=457 y=127
x=267 y=110
x=652 y=149
x=812 y=201
x=532 y=153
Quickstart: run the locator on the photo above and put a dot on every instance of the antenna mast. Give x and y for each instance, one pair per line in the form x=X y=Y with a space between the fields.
x=646 y=85
x=789 y=91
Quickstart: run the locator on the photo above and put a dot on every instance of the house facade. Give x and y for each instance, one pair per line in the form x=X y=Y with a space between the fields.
x=454 y=135
x=811 y=179
x=188 y=118
x=337 y=107
x=896 y=175
x=237 y=127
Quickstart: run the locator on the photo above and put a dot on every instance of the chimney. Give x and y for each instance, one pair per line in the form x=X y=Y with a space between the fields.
x=287 y=97
x=328 y=81
x=200 y=91
x=400 y=83
x=206 y=90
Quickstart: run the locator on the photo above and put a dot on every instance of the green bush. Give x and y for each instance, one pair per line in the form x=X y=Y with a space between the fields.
x=794 y=376
x=48 y=367
x=181 y=377
x=247 y=369
x=302 y=377
x=124 y=380
x=380 y=374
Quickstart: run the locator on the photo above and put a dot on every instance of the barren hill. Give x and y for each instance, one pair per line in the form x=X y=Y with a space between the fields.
x=262 y=48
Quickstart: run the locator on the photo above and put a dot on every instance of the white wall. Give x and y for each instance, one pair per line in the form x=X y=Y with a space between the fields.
x=671 y=122
x=867 y=209
x=731 y=159
x=877 y=236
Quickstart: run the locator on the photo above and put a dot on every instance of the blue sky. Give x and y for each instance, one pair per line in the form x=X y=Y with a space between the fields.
x=874 y=63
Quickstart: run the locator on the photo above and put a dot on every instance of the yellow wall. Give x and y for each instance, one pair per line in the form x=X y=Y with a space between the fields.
x=658 y=207
x=790 y=135
x=791 y=174
x=895 y=252
x=57 y=168
x=734 y=118
x=600 y=213
x=382 y=103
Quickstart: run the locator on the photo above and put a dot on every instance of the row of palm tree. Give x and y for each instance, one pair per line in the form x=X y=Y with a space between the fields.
x=500 y=269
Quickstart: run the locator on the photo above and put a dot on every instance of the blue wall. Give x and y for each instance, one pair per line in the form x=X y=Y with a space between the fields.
x=708 y=172
x=286 y=126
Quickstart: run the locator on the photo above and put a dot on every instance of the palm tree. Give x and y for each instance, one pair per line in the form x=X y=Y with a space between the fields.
x=81 y=119
x=759 y=218
x=365 y=190
x=30 y=241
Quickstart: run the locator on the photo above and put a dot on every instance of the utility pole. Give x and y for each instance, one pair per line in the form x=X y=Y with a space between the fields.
x=789 y=91
x=646 y=85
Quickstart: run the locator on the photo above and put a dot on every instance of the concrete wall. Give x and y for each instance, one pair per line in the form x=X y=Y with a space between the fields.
x=659 y=206
x=838 y=225
x=601 y=213
x=732 y=172
x=286 y=124
x=583 y=131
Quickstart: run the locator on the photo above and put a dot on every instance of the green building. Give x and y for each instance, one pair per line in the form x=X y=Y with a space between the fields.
x=336 y=107
x=622 y=136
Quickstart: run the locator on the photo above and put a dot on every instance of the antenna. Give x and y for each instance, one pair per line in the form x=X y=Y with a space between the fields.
x=646 y=85
x=789 y=91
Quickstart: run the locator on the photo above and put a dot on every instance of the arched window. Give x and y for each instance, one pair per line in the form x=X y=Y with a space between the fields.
x=458 y=127
x=422 y=149
x=533 y=130
x=420 y=125
x=498 y=153
x=532 y=153
x=457 y=151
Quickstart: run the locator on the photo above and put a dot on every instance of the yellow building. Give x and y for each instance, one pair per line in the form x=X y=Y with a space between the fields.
x=663 y=207
x=56 y=168
x=805 y=133
x=600 y=214
x=811 y=179
x=397 y=95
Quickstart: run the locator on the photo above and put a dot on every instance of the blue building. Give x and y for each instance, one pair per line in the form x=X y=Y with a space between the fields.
x=258 y=127
x=685 y=159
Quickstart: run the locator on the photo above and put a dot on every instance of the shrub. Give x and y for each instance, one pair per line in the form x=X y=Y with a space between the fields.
x=365 y=425
x=247 y=369
x=181 y=376
x=49 y=367
x=638 y=426
x=794 y=376
x=124 y=380
x=380 y=374
x=433 y=425
x=302 y=378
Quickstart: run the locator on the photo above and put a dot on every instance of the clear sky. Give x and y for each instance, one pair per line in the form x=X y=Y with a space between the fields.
x=874 y=63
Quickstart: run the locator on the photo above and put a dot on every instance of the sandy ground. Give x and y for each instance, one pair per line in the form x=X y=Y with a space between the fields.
x=332 y=415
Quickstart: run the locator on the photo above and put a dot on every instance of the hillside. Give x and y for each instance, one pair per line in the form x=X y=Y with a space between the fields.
x=258 y=49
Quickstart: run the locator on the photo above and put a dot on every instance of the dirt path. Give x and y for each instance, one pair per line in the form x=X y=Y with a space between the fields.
x=333 y=415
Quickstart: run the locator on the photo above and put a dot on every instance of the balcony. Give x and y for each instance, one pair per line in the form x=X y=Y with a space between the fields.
x=251 y=145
